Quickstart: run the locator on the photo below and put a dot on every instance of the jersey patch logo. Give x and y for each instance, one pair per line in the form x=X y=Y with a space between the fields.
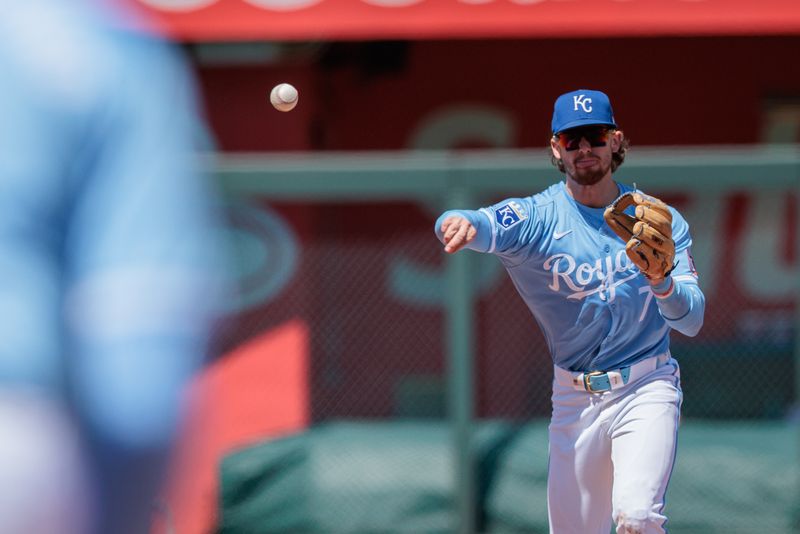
x=510 y=214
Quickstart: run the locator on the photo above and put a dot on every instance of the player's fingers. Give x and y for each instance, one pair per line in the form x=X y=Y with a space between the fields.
x=446 y=224
x=452 y=225
x=461 y=234
x=471 y=233
x=448 y=234
x=449 y=228
x=459 y=239
x=450 y=221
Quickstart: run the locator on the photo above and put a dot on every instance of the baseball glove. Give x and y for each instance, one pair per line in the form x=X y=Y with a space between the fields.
x=648 y=236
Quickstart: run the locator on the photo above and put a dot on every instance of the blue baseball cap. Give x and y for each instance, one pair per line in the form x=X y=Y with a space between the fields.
x=583 y=107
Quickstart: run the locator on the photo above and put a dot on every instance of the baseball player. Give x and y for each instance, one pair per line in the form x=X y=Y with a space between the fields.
x=606 y=271
x=110 y=266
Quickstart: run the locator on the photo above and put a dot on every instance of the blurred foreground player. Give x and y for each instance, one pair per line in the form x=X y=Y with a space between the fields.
x=606 y=272
x=107 y=265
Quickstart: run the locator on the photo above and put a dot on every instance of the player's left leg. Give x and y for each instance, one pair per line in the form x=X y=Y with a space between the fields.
x=644 y=437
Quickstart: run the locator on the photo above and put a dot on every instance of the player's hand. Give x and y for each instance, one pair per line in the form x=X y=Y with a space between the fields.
x=648 y=235
x=457 y=232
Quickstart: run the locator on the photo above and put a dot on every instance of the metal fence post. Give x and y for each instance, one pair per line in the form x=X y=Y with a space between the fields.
x=460 y=330
x=796 y=407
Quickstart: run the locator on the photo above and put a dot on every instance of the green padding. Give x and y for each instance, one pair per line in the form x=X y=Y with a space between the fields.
x=736 y=380
x=397 y=477
x=348 y=477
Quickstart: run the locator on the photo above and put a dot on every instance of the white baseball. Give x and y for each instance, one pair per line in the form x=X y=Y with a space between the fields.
x=284 y=97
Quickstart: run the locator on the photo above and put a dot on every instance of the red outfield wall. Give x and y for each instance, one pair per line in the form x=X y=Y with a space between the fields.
x=444 y=94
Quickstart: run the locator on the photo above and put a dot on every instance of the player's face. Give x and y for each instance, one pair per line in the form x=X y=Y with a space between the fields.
x=586 y=152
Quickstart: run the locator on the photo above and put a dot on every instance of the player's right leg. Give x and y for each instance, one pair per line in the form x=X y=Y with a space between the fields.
x=580 y=470
x=644 y=438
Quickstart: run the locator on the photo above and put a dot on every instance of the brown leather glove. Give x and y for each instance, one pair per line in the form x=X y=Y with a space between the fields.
x=648 y=236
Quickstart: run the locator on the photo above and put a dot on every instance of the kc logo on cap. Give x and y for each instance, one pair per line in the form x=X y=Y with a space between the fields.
x=583 y=107
x=582 y=101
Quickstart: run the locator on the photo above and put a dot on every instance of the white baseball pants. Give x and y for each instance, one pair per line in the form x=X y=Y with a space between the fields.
x=611 y=454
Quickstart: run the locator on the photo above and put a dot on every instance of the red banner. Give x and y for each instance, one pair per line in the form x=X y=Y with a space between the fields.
x=197 y=20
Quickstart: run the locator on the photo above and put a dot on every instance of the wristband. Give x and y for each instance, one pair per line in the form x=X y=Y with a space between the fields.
x=667 y=292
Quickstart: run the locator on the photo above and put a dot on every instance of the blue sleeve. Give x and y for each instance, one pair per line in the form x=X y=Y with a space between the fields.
x=142 y=231
x=683 y=304
x=107 y=228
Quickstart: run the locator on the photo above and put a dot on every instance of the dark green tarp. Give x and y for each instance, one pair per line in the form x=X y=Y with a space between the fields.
x=383 y=477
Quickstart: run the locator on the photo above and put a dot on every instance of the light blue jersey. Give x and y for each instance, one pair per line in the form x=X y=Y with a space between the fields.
x=100 y=196
x=597 y=311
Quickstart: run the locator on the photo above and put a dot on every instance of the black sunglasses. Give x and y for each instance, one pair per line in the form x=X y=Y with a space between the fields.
x=570 y=140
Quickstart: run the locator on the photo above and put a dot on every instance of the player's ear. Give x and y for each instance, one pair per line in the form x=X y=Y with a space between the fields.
x=554 y=148
x=616 y=140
